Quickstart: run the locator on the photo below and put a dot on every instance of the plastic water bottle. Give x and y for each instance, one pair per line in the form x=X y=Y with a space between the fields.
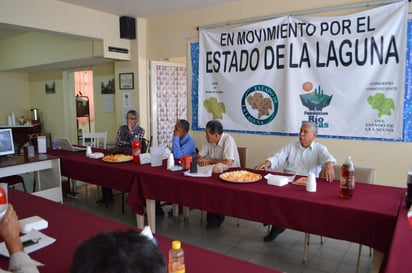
x=347 y=179
x=136 y=149
x=176 y=258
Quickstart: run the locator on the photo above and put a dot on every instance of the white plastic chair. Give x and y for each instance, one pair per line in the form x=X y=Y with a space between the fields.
x=95 y=139
x=362 y=175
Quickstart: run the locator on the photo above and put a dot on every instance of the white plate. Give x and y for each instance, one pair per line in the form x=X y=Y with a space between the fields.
x=240 y=175
x=96 y=155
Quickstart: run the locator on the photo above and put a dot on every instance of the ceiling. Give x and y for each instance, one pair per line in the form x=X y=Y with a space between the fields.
x=132 y=8
x=146 y=8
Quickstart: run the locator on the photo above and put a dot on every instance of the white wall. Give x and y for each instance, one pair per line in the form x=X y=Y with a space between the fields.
x=14 y=88
x=52 y=17
x=391 y=159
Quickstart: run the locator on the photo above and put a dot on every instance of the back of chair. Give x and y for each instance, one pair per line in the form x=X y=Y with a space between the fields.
x=146 y=144
x=362 y=174
x=242 y=156
x=95 y=139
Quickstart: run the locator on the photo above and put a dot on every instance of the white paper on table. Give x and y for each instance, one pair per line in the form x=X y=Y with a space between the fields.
x=205 y=171
x=34 y=234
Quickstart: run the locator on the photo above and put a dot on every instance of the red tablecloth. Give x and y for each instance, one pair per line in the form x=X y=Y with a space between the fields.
x=398 y=259
x=70 y=227
x=369 y=218
x=118 y=176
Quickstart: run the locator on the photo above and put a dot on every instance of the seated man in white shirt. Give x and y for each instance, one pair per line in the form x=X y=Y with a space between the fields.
x=220 y=148
x=301 y=158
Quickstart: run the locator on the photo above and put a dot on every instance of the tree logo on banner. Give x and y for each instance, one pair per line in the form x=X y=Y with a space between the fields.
x=382 y=104
x=315 y=100
x=260 y=104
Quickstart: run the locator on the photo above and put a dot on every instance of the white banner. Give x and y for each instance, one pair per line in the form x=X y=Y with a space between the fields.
x=346 y=73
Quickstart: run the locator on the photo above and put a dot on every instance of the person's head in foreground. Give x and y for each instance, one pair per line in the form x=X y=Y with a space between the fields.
x=118 y=252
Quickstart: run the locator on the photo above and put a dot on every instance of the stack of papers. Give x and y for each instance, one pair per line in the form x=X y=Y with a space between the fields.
x=205 y=171
x=277 y=180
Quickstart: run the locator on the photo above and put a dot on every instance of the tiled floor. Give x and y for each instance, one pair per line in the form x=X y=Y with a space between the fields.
x=244 y=241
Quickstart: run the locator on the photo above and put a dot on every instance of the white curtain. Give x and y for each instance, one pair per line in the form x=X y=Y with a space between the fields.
x=169 y=99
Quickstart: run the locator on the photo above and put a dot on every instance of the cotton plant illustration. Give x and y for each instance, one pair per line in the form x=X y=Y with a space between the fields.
x=382 y=104
x=214 y=107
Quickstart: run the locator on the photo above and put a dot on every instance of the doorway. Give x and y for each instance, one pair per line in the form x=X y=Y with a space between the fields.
x=83 y=91
x=71 y=89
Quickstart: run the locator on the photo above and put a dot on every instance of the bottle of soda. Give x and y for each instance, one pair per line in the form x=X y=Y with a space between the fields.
x=347 y=179
x=136 y=149
x=176 y=262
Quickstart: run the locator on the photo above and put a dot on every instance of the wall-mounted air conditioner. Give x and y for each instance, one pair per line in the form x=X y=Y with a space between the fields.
x=117 y=50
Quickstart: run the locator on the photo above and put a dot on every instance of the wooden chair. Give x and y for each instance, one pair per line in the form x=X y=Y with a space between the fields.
x=146 y=144
x=243 y=152
x=362 y=175
x=243 y=160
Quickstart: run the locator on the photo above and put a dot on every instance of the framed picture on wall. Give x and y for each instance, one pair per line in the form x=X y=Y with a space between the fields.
x=50 y=87
x=126 y=81
x=107 y=86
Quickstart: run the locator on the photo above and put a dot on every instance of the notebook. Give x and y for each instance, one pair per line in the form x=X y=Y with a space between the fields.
x=63 y=143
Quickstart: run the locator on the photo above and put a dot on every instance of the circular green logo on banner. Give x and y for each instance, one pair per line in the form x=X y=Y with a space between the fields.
x=260 y=104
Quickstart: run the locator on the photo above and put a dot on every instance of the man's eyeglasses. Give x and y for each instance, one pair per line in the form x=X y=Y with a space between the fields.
x=130 y=118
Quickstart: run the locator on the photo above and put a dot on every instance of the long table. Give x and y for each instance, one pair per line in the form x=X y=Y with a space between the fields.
x=398 y=259
x=46 y=169
x=369 y=218
x=70 y=227
x=118 y=176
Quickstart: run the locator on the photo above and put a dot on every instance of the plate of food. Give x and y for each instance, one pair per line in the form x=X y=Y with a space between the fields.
x=240 y=177
x=117 y=158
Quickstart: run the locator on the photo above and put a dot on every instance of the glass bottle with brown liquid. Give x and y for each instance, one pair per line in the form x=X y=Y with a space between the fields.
x=347 y=179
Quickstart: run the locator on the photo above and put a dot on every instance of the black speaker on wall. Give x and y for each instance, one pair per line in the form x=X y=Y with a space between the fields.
x=127 y=27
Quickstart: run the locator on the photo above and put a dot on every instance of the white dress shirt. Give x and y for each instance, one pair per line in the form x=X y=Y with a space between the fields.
x=225 y=149
x=301 y=161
